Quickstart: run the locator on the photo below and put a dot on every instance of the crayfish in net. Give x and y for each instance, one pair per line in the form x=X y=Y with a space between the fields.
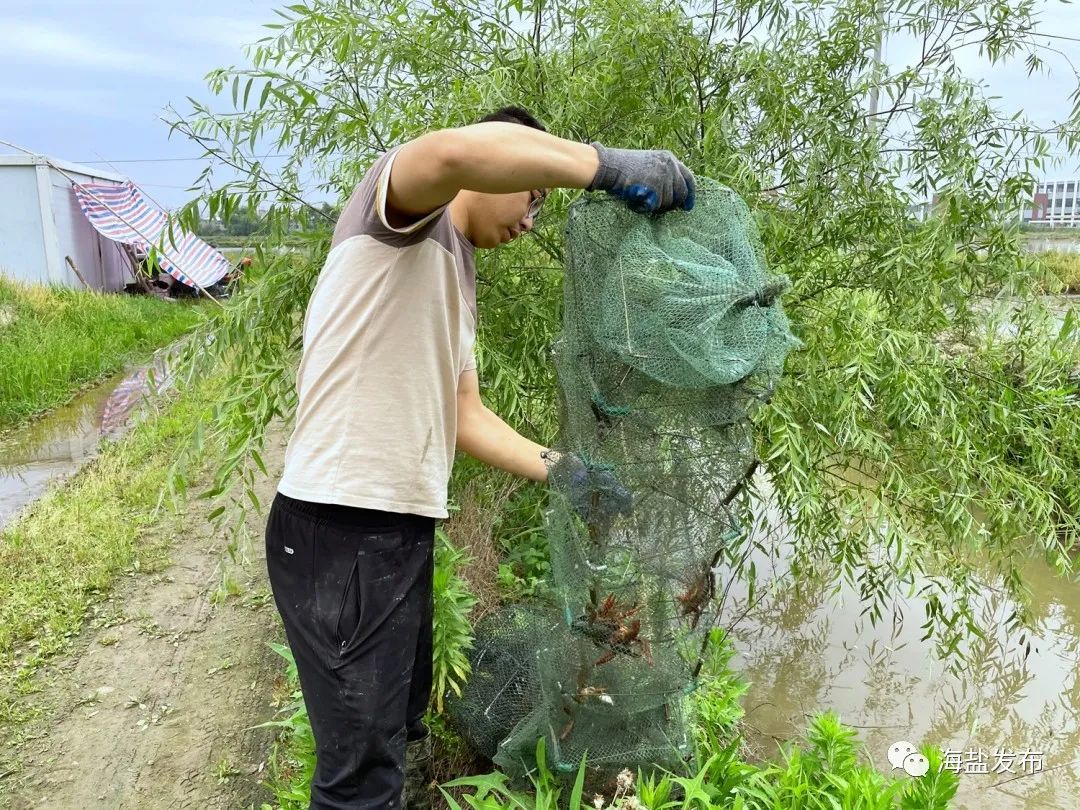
x=615 y=628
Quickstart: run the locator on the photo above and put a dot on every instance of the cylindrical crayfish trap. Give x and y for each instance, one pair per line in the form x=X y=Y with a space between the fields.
x=672 y=334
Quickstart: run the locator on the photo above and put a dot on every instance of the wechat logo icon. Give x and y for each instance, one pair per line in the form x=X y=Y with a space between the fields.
x=905 y=755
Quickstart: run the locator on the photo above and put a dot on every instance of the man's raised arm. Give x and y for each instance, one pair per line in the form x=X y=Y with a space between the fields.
x=497 y=157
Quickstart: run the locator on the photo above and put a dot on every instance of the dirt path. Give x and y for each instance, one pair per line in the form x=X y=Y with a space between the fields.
x=156 y=710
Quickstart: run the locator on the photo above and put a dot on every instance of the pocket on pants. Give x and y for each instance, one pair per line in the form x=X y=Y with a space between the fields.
x=348 y=618
x=374 y=575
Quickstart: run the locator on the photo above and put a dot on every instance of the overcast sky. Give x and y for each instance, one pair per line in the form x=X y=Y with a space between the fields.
x=86 y=81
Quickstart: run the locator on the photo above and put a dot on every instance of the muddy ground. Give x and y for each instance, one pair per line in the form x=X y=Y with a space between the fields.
x=155 y=707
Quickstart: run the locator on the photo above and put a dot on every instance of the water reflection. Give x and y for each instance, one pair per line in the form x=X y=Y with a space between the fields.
x=804 y=651
x=805 y=648
x=65 y=439
x=1044 y=244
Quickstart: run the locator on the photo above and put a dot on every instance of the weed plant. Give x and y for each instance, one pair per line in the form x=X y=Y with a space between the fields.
x=1062 y=271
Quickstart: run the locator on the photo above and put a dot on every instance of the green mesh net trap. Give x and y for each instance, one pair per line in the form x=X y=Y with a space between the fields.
x=672 y=334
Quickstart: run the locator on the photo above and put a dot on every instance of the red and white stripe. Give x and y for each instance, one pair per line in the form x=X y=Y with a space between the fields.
x=123 y=214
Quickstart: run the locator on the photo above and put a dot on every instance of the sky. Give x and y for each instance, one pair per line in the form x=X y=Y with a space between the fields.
x=88 y=82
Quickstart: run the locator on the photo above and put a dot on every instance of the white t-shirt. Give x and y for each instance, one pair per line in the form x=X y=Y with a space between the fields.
x=388 y=330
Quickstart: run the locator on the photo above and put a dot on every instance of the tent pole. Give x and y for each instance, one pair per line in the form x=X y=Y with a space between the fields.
x=75 y=270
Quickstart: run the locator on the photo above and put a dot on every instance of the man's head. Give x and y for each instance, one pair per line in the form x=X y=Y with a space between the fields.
x=514 y=115
x=495 y=219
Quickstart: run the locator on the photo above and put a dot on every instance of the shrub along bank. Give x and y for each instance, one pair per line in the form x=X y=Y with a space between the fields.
x=1062 y=271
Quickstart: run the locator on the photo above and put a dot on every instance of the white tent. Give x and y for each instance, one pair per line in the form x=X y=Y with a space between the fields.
x=42 y=226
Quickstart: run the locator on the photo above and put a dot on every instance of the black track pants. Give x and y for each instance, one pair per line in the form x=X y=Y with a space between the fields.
x=353 y=587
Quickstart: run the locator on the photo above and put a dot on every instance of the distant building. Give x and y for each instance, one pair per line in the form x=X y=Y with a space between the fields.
x=1055 y=204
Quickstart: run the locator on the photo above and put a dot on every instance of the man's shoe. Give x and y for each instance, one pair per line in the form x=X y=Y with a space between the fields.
x=419 y=774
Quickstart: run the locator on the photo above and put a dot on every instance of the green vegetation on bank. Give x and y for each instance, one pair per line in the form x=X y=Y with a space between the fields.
x=62 y=556
x=1044 y=232
x=229 y=241
x=823 y=769
x=897 y=380
x=1062 y=271
x=56 y=340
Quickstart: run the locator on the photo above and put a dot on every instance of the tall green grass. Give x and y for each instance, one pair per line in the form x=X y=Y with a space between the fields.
x=54 y=341
x=1061 y=271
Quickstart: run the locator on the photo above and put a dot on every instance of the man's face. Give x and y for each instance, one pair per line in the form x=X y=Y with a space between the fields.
x=501 y=218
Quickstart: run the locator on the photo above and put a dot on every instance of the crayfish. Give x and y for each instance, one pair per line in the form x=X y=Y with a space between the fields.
x=693 y=600
x=614 y=626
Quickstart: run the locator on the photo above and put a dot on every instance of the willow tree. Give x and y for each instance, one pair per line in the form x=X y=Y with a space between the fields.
x=915 y=439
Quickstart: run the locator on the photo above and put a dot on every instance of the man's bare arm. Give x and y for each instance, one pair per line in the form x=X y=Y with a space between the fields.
x=495 y=157
x=487 y=438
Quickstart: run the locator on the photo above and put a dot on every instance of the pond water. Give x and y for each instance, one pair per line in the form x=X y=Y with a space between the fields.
x=1014 y=709
x=1044 y=244
x=63 y=440
x=808 y=651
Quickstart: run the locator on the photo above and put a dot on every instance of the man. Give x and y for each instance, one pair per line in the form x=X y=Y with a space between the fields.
x=387 y=390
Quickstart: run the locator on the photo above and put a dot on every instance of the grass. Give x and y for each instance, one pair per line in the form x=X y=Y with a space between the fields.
x=61 y=557
x=1062 y=271
x=55 y=341
x=224 y=240
x=1045 y=232
x=824 y=768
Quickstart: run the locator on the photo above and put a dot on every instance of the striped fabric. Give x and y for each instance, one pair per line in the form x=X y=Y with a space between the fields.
x=121 y=213
x=131 y=392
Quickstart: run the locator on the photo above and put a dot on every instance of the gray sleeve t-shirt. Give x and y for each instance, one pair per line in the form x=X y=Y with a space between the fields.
x=388 y=331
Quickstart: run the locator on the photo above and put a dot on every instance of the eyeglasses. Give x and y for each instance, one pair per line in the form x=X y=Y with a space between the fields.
x=536 y=204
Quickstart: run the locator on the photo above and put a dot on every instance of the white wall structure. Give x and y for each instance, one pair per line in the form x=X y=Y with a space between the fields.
x=1057 y=204
x=41 y=225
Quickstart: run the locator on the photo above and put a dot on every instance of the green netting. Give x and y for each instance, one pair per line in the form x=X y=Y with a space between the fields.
x=672 y=334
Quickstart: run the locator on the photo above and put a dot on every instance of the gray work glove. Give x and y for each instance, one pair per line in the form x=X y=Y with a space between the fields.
x=592 y=490
x=647 y=180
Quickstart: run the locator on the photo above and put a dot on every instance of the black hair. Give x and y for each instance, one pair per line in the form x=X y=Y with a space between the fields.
x=514 y=115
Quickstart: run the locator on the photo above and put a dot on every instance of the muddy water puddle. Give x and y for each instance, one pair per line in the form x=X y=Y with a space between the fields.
x=59 y=443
